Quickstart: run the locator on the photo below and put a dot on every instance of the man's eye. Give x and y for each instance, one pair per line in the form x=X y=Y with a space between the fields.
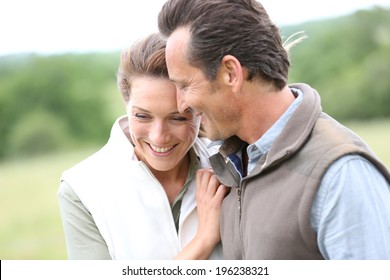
x=190 y=111
x=179 y=119
x=182 y=87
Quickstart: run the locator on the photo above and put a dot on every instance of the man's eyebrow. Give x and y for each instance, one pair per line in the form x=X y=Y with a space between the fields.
x=176 y=82
x=173 y=81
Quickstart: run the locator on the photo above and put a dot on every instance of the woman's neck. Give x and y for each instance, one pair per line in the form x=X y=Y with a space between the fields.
x=173 y=180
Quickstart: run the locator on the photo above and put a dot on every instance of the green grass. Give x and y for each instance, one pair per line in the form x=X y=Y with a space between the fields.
x=377 y=135
x=30 y=223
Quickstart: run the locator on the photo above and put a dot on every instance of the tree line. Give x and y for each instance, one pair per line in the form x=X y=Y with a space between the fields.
x=49 y=103
x=347 y=60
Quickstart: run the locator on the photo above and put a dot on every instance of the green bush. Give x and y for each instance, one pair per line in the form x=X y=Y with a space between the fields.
x=38 y=132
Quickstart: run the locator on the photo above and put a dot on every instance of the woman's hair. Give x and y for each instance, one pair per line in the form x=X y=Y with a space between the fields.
x=146 y=57
x=241 y=28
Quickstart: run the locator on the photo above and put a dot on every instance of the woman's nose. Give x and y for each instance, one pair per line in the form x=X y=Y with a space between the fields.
x=159 y=133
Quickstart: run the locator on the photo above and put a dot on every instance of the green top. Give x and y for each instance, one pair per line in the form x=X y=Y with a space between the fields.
x=194 y=165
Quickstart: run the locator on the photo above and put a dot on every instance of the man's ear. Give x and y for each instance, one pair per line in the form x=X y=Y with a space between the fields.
x=231 y=72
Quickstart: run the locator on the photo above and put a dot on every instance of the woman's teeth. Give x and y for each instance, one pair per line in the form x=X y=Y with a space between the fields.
x=161 y=150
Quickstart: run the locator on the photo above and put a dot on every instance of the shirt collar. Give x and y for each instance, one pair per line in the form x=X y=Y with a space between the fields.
x=263 y=145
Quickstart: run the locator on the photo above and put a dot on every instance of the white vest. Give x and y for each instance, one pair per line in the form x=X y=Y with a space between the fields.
x=128 y=204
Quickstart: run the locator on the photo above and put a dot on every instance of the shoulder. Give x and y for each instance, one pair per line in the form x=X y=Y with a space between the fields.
x=88 y=165
x=205 y=145
x=204 y=150
x=117 y=150
x=364 y=171
x=351 y=180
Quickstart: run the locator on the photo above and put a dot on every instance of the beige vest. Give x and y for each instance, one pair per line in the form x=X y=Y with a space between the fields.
x=267 y=214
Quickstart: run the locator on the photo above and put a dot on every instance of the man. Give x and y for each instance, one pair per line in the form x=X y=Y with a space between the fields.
x=303 y=185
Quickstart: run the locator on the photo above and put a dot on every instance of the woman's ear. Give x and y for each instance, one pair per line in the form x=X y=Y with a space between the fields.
x=231 y=72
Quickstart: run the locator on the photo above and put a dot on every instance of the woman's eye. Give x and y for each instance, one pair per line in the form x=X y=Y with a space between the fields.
x=141 y=116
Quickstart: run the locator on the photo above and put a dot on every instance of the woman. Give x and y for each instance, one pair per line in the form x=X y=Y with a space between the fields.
x=137 y=197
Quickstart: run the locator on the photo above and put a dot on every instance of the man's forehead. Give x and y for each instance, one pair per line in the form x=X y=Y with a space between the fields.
x=176 y=59
x=178 y=41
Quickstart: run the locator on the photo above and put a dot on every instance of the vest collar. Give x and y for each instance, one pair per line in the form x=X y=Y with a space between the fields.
x=292 y=137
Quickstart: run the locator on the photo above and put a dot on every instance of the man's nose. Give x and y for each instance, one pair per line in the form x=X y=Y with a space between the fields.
x=181 y=105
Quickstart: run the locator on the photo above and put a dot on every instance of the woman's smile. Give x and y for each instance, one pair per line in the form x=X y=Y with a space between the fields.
x=161 y=150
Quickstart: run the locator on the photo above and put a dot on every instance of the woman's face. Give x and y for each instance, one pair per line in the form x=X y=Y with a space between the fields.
x=162 y=136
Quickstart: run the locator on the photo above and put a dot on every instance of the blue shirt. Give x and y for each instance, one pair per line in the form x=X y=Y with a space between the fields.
x=351 y=210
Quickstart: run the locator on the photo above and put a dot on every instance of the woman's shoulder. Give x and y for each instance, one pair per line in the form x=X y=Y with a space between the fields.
x=205 y=148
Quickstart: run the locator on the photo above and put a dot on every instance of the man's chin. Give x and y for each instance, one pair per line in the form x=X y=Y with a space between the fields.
x=213 y=135
x=211 y=132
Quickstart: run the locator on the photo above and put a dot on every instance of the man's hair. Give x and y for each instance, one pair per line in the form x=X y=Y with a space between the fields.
x=146 y=57
x=241 y=28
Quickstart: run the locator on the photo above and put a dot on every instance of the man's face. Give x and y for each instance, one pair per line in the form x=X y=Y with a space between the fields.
x=194 y=90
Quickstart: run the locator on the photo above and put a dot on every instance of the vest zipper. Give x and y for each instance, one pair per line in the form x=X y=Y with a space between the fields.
x=238 y=191
x=238 y=188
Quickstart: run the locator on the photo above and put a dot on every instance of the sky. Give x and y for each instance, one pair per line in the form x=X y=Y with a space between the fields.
x=58 y=26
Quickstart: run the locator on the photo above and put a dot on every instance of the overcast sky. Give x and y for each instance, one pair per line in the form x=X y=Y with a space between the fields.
x=56 y=26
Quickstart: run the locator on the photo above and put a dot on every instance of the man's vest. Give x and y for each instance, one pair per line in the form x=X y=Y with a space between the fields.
x=267 y=215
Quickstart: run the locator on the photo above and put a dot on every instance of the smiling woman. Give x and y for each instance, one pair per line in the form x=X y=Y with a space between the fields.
x=160 y=133
x=143 y=190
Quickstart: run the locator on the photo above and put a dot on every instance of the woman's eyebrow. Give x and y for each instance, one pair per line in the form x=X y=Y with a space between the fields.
x=141 y=109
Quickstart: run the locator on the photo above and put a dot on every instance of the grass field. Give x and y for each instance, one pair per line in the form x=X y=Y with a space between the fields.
x=377 y=135
x=30 y=224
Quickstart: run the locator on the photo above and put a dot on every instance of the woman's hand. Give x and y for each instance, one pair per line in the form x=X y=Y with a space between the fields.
x=209 y=195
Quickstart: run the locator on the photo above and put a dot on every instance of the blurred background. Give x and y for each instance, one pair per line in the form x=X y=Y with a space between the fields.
x=58 y=94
